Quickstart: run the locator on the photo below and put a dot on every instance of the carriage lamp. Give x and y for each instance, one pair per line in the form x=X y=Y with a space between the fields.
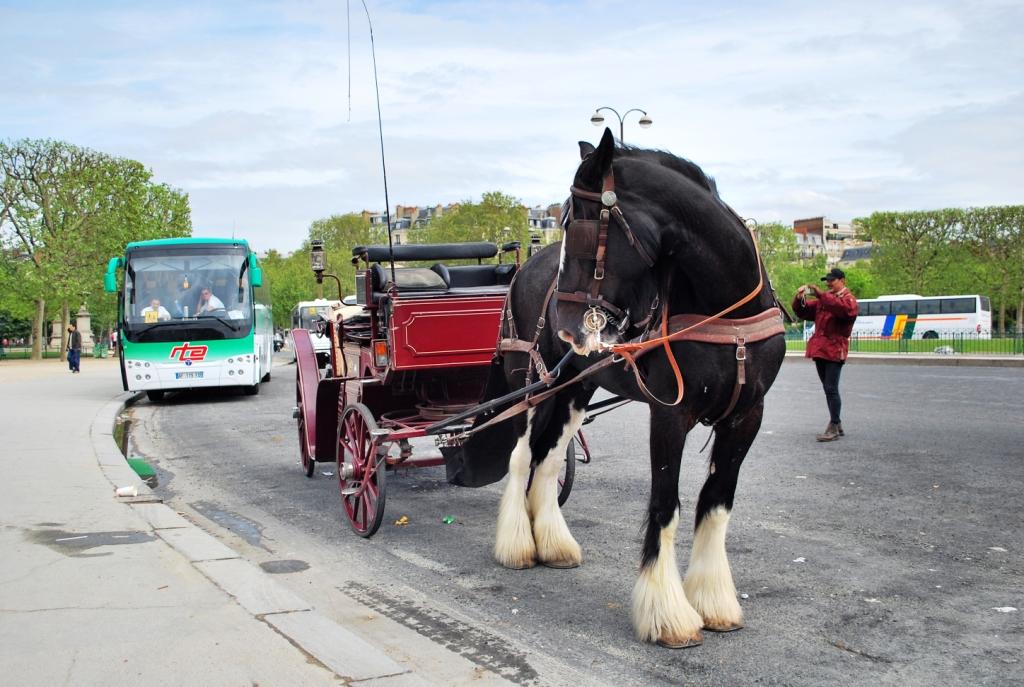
x=380 y=353
x=318 y=259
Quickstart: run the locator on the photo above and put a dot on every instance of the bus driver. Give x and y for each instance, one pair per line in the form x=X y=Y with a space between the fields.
x=208 y=302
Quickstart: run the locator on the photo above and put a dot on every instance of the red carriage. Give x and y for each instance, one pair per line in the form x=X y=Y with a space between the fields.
x=411 y=362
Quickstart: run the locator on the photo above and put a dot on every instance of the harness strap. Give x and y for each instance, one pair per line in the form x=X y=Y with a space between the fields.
x=741 y=378
x=591 y=300
x=758 y=329
x=513 y=344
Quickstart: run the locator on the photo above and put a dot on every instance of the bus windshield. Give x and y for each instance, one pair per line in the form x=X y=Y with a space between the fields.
x=175 y=293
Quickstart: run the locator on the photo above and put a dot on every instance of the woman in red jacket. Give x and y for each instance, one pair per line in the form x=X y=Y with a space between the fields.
x=833 y=312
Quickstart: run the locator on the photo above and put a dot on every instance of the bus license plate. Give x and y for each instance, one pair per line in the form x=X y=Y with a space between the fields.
x=188 y=375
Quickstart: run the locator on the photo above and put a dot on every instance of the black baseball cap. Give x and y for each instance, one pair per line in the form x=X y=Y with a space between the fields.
x=834 y=273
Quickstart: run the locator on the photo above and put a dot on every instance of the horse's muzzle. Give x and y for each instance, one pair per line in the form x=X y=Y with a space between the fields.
x=584 y=342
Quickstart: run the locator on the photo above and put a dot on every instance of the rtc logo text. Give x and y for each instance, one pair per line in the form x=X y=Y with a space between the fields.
x=187 y=354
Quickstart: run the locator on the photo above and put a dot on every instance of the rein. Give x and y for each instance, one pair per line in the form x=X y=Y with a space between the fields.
x=631 y=351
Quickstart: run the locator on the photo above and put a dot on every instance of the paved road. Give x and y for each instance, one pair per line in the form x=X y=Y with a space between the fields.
x=880 y=558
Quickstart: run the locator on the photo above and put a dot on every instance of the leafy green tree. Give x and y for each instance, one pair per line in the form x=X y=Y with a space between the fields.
x=340 y=234
x=995 y=235
x=498 y=218
x=64 y=210
x=911 y=250
x=291 y=281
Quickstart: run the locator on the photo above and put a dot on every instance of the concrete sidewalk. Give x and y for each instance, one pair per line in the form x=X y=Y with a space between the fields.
x=97 y=589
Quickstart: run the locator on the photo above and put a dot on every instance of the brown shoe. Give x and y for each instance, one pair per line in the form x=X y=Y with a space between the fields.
x=831 y=433
x=839 y=426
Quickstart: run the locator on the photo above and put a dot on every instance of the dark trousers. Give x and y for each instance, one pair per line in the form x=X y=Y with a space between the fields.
x=828 y=373
x=74 y=359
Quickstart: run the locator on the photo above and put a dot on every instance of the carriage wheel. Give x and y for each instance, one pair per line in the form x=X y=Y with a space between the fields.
x=568 y=473
x=308 y=464
x=361 y=470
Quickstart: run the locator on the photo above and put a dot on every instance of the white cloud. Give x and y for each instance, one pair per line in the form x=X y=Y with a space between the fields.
x=798 y=109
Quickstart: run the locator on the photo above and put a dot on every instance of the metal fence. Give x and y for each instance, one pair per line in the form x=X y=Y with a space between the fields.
x=954 y=344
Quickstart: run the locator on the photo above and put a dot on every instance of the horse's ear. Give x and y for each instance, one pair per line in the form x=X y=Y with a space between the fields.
x=597 y=161
x=605 y=151
x=585 y=149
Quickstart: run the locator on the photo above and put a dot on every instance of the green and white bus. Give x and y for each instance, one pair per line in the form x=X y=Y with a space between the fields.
x=192 y=313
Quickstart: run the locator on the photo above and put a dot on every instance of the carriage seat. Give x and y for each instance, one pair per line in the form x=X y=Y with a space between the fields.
x=475 y=276
x=418 y=279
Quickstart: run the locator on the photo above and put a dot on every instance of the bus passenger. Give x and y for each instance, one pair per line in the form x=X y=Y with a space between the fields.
x=155 y=312
x=833 y=313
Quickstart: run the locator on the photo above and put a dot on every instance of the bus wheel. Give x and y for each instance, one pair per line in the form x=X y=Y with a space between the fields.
x=266 y=377
x=155 y=395
x=251 y=390
x=930 y=335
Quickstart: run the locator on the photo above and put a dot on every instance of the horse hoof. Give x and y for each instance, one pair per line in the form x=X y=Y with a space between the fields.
x=685 y=643
x=724 y=627
x=560 y=565
x=524 y=565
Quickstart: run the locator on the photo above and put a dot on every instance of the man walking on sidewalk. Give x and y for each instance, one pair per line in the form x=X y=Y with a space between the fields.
x=833 y=312
x=74 y=348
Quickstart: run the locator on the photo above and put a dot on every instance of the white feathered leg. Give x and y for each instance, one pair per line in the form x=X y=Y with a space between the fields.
x=513 y=544
x=556 y=546
x=709 y=585
x=661 y=612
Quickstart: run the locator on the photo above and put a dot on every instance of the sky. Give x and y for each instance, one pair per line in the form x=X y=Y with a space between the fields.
x=798 y=109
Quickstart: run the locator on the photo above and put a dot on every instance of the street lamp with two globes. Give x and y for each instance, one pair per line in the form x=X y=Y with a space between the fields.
x=597 y=119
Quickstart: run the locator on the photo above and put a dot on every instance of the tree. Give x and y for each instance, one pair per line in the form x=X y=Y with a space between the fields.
x=911 y=249
x=340 y=234
x=996 y=236
x=64 y=210
x=290 y=280
x=498 y=218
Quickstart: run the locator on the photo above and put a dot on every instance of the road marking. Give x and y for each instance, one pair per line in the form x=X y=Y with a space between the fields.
x=421 y=561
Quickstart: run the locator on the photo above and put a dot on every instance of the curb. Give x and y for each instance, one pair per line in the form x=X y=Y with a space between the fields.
x=910 y=359
x=349 y=657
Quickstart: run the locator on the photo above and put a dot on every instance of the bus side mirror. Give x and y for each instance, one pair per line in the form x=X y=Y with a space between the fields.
x=110 y=278
x=255 y=271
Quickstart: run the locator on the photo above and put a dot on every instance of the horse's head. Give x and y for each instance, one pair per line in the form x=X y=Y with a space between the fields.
x=607 y=285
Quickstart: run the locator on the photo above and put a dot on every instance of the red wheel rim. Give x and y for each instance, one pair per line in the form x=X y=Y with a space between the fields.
x=303 y=448
x=362 y=491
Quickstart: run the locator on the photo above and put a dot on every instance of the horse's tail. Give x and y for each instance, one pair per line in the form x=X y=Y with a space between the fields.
x=483 y=458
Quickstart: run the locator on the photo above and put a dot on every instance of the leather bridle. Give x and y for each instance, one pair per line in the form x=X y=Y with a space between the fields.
x=587 y=239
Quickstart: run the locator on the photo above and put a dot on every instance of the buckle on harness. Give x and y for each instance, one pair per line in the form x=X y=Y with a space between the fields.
x=741 y=348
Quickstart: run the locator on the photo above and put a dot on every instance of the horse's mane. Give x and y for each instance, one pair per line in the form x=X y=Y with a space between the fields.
x=688 y=169
x=665 y=159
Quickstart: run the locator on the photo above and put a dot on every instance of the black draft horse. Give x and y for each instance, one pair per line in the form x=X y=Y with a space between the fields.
x=702 y=260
